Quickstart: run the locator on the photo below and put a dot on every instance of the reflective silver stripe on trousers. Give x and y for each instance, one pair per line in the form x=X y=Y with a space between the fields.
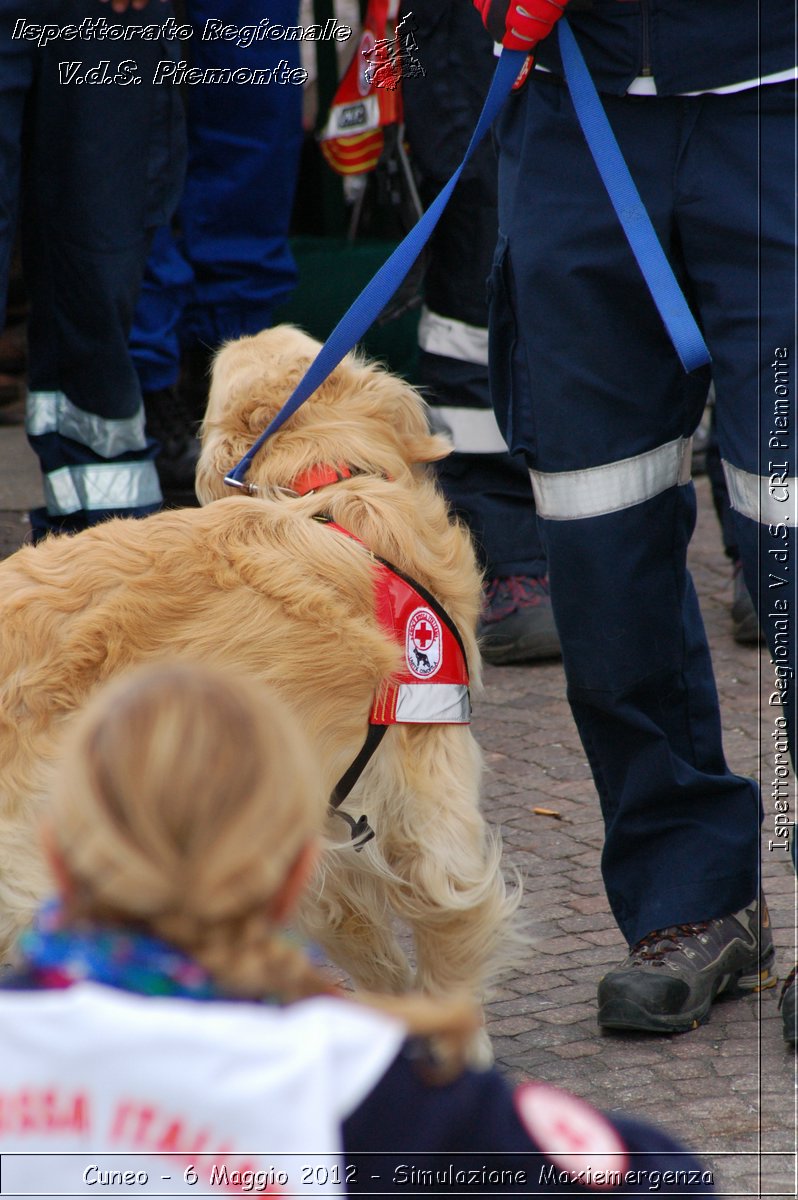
x=596 y=491
x=53 y=412
x=471 y=430
x=433 y=704
x=452 y=339
x=101 y=485
x=767 y=499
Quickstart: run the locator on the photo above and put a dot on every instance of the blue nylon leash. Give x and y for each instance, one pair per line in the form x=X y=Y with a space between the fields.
x=645 y=245
x=641 y=235
x=376 y=294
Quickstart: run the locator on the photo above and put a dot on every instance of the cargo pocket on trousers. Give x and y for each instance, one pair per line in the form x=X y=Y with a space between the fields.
x=509 y=384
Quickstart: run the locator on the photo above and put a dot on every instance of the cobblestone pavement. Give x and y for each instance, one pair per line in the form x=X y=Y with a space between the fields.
x=729 y=1088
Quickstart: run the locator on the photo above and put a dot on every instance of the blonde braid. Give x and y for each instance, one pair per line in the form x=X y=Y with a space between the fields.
x=184 y=799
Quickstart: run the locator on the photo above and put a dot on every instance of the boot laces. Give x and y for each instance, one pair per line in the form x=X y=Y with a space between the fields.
x=508 y=593
x=654 y=946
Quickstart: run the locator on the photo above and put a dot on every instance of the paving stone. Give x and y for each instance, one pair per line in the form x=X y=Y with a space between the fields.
x=565 y=1014
x=590 y=904
x=558 y=945
x=510 y=1025
x=605 y=937
x=519 y=1006
x=584 y=1049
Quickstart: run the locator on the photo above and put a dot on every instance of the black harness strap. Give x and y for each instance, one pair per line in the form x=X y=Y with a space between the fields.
x=361 y=830
x=348 y=780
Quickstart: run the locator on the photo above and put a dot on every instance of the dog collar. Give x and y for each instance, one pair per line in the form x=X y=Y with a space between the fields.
x=321 y=476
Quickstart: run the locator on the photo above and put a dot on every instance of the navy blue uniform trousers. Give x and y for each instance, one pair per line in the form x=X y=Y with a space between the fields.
x=230 y=263
x=589 y=388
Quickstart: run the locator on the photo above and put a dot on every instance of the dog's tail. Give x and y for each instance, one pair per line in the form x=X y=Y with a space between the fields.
x=436 y=860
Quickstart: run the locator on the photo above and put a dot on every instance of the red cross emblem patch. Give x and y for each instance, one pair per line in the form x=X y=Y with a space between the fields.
x=424 y=643
x=571 y=1133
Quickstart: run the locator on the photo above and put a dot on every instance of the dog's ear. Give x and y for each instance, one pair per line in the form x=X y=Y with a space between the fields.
x=432 y=447
x=218 y=456
x=225 y=432
x=251 y=379
x=411 y=421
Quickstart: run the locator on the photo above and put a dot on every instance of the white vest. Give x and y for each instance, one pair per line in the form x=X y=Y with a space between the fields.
x=186 y=1097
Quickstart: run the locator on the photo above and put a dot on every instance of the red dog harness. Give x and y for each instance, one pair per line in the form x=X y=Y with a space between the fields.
x=431 y=686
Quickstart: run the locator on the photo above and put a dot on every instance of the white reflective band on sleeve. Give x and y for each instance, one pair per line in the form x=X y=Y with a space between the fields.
x=596 y=491
x=471 y=430
x=766 y=499
x=452 y=339
x=53 y=412
x=433 y=704
x=101 y=485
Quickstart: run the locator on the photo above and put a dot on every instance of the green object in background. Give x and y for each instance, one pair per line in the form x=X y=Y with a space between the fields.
x=332 y=273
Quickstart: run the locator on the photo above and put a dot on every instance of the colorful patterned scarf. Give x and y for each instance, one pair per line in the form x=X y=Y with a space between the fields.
x=57 y=955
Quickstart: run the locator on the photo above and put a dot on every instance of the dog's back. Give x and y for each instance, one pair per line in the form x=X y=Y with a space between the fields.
x=239 y=583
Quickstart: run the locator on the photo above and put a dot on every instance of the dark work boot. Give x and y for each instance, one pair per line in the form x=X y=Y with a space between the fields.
x=175 y=428
x=517 y=624
x=672 y=976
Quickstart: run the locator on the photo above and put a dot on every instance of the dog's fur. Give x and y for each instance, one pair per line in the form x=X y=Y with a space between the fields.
x=254 y=583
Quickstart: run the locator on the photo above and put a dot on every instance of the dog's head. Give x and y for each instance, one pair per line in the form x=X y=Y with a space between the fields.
x=361 y=415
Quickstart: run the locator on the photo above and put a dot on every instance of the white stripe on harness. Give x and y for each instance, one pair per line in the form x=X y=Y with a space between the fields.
x=433 y=704
x=767 y=499
x=596 y=491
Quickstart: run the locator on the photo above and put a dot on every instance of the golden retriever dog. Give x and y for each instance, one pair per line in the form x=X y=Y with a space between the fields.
x=253 y=582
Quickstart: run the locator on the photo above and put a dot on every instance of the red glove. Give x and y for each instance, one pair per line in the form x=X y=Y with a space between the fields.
x=520 y=24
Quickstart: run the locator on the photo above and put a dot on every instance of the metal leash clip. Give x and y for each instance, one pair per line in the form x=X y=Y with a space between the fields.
x=251 y=489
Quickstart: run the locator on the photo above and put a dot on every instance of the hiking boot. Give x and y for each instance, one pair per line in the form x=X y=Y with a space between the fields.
x=517 y=624
x=745 y=623
x=788 y=1003
x=671 y=977
x=171 y=424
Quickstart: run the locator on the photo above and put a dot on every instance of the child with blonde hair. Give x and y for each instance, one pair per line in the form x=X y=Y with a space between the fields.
x=161 y=1023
